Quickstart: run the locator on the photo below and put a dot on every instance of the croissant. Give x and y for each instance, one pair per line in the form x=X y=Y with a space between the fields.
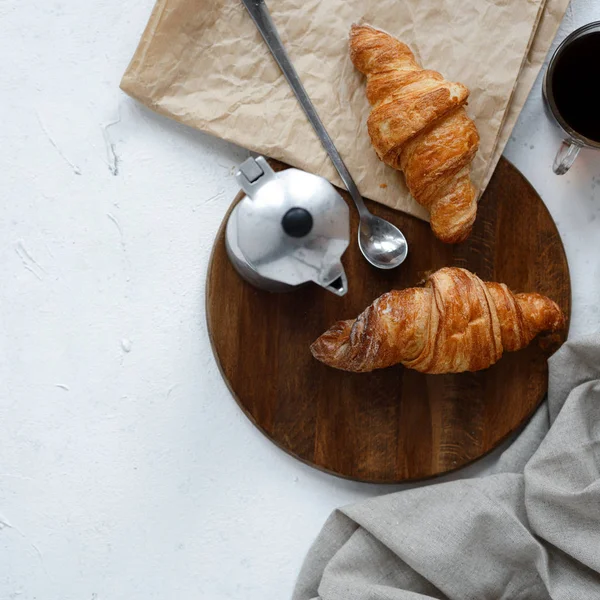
x=418 y=125
x=455 y=323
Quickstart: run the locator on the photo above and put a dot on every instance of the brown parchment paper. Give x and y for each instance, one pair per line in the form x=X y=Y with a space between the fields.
x=542 y=37
x=203 y=63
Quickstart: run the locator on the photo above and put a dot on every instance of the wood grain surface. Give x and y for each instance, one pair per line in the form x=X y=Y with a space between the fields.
x=395 y=424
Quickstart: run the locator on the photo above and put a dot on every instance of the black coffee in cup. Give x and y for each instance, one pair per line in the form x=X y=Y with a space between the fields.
x=575 y=85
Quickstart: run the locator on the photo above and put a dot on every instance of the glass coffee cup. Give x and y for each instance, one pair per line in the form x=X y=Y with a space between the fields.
x=571 y=90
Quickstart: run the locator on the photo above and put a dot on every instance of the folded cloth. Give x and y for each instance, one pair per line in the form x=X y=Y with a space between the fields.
x=529 y=532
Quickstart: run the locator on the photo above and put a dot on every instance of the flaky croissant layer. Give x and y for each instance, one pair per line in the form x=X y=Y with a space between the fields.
x=456 y=323
x=418 y=125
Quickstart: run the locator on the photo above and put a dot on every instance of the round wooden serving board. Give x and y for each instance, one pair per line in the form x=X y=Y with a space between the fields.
x=395 y=424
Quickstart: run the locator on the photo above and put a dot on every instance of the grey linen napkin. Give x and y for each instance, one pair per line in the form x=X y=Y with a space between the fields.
x=529 y=531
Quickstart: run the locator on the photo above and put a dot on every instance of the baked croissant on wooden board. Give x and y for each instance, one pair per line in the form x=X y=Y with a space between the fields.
x=418 y=125
x=455 y=323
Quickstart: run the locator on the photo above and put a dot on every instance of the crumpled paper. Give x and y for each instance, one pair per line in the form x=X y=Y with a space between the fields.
x=203 y=63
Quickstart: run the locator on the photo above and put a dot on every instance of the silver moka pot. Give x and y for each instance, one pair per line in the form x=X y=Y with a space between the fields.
x=290 y=228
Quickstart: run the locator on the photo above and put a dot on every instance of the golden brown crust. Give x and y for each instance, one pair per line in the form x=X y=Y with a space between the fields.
x=455 y=323
x=418 y=125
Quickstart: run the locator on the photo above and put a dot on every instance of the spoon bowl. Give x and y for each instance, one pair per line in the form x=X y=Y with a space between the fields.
x=381 y=243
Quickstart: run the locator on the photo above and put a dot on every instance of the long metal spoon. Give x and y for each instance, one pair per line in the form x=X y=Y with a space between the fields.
x=381 y=243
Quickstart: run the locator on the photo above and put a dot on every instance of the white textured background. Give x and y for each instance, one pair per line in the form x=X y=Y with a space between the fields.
x=126 y=470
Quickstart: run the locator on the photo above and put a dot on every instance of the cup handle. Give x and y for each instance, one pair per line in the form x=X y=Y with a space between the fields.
x=565 y=157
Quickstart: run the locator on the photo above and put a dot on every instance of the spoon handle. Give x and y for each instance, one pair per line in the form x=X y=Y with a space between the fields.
x=260 y=15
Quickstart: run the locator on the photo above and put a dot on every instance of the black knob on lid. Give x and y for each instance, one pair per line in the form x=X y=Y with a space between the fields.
x=297 y=222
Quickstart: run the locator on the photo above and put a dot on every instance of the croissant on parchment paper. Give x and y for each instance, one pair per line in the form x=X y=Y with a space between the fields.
x=456 y=323
x=418 y=125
